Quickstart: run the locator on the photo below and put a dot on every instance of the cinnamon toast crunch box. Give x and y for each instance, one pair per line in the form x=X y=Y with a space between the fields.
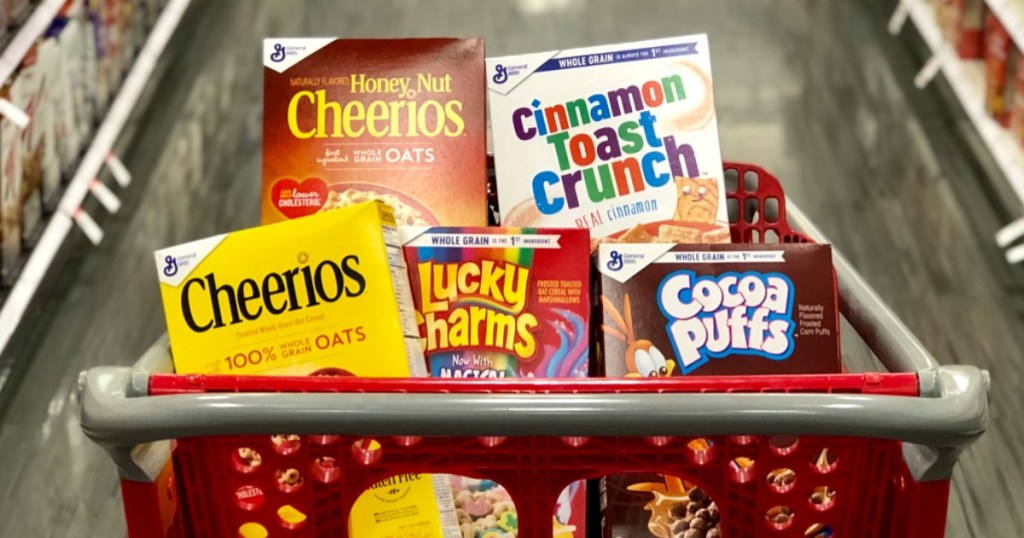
x=398 y=120
x=620 y=139
x=501 y=303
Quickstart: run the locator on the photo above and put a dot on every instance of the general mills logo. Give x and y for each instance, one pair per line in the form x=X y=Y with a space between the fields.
x=278 y=54
x=500 y=74
x=614 y=261
x=171 y=267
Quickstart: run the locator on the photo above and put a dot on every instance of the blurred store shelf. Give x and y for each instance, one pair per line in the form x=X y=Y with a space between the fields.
x=26 y=36
x=15 y=301
x=967 y=80
x=1011 y=13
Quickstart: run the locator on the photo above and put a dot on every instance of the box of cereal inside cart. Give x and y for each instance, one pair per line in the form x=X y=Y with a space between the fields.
x=496 y=303
x=619 y=139
x=398 y=120
x=326 y=295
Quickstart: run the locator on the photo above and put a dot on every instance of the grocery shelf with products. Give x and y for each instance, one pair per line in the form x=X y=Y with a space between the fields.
x=940 y=23
x=86 y=148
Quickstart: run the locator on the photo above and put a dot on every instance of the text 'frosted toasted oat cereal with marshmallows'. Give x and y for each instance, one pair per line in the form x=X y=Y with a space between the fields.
x=397 y=120
x=621 y=140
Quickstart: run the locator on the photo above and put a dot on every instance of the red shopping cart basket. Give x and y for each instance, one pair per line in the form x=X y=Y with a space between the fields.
x=864 y=454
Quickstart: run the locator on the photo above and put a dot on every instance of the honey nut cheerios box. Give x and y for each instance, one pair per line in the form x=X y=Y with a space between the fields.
x=398 y=120
x=619 y=139
x=326 y=295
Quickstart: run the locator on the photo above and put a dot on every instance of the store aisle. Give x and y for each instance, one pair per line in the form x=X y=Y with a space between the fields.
x=816 y=92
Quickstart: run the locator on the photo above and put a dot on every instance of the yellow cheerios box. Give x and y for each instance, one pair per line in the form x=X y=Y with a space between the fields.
x=325 y=294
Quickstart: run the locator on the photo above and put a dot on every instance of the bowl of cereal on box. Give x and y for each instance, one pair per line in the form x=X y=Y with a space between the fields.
x=408 y=211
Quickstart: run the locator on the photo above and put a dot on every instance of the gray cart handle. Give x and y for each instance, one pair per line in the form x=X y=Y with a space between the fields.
x=951 y=413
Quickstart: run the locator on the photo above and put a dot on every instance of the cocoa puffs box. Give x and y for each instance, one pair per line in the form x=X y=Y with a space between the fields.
x=741 y=309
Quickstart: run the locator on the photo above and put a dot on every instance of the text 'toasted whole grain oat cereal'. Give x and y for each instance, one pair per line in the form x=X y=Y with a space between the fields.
x=398 y=120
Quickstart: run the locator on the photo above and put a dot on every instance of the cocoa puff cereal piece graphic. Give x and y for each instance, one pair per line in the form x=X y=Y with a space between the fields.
x=779 y=515
x=781 y=478
x=822 y=496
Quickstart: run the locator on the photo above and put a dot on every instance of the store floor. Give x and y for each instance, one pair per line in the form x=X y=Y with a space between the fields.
x=815 y=91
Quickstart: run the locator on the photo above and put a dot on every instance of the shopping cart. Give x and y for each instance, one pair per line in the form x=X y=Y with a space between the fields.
x=882 y=445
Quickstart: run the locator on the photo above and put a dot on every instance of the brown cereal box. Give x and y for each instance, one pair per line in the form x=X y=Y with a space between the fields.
x=399 y=120
x=694 y=310
x=739 y=309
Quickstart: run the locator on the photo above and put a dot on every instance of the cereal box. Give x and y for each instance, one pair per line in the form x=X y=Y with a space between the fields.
x=621 y=140
x=503 y=303
x=326 y=295
x=40 y=176
x=671 y=310
x=962 y=23
x=716 y=310
x=313 y=296
x=10 y=195
x=1016 y=113
x=404 y=505
x=399 y=120
x=1001 y=64
x=64 y=74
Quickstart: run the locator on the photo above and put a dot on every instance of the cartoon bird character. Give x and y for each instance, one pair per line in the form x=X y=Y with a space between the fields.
x=642 y=358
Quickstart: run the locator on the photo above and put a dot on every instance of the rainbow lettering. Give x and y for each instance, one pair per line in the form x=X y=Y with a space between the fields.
x=614 y=160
